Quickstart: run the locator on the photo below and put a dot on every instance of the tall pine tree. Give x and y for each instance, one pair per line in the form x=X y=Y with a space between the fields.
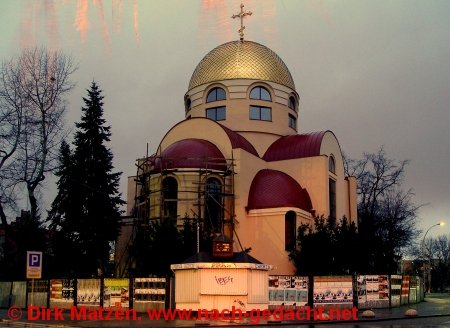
x=64 y=242
x=89 y=218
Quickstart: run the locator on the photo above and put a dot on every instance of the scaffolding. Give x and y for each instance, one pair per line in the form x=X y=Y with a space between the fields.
x=194 y=198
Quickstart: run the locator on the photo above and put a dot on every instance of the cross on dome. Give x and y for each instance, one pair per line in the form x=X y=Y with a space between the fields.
x=241 y=15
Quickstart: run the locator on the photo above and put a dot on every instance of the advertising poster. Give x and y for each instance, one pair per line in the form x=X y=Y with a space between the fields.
x=415 y=289
x=288 y=291
x=333 y=290
x=5 y=291
x=116 y=293
x=88 y=292
x=396 y=289
x=62 y=292
x=405 y=290
x=150 y=289
x=361 y=288
x=373 y=291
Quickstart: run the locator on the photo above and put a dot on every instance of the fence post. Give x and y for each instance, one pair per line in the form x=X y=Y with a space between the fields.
x=102 y=290
x=75 y=292
x=355 y=290
x=311 y=291
x=26 y=293
x=390 y=291
x=130 y=293
x=49 y=290
x=10 y=295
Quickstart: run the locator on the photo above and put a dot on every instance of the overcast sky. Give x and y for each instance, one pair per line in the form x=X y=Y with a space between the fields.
x=376 y=73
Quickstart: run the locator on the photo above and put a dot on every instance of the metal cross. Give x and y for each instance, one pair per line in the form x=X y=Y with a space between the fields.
x=241 y=15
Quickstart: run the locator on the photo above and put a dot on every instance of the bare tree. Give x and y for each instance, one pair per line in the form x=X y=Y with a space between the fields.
x=386 y=213
x=441 y=249
x=33 y=89
x=12 y=107
x=376 y=174
x=397 y=217
x=436 y=257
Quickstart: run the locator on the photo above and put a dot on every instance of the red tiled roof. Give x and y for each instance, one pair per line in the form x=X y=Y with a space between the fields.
x=295 y=146
x=272 y=189
x=190 y=153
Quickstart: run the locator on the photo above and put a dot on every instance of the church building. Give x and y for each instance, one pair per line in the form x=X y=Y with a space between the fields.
x=238 y=164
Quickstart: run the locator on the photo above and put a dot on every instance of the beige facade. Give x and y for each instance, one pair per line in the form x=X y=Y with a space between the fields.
x=240 y=135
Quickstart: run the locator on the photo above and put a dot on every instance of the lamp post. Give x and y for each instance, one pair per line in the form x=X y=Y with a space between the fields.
x=428 y=274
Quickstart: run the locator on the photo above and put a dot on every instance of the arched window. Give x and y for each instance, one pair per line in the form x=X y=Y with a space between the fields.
x=170 y=197
x=213 y=205
x=260 y=93
x=331 y=164
x=291 y=102
x=216 y=94
x=290 y=231
x=332 y=197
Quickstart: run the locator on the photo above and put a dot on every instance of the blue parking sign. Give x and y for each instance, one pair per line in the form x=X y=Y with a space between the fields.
x=34 y=265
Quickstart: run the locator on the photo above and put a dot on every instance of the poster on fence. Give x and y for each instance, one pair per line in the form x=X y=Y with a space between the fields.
x=333 y=290
x=373 y=291
x=62 y=291
x=414 y=284
x=288 y=291
x=88 y=292
x=116 y=293
x=150 y=289
x=396 y=289
x=5 y=293
x=39 y=290
x=405 y=290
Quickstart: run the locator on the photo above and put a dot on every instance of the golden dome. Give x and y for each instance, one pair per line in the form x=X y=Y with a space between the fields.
x=241 y=60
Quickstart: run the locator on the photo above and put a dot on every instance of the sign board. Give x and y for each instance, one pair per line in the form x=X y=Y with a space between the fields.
x=34 y=265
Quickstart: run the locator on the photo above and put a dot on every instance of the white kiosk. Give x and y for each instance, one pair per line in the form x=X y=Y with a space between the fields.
x=221 y=280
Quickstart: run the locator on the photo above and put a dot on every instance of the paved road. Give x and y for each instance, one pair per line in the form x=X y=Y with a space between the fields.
x=435 y=311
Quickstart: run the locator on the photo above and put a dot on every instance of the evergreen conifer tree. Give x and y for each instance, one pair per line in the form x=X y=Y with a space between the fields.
x=64 y=228
x=87 y=208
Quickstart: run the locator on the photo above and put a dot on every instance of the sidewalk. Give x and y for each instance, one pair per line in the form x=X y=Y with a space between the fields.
x=434 y=305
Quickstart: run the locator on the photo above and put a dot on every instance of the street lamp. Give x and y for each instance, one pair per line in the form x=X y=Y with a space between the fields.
x=423 y=255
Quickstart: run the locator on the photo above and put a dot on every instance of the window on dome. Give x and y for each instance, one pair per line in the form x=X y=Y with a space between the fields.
x=213 y=205
x=170 y=197
x=187 y=104
x=331 y=164
x=260 y=113
x=290 y=219
x=216 y=94
x=216 y=113
x=291 y=102
x=292 y=121
x=260 y=93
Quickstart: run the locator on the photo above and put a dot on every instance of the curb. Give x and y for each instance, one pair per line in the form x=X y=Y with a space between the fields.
x=333 y=322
